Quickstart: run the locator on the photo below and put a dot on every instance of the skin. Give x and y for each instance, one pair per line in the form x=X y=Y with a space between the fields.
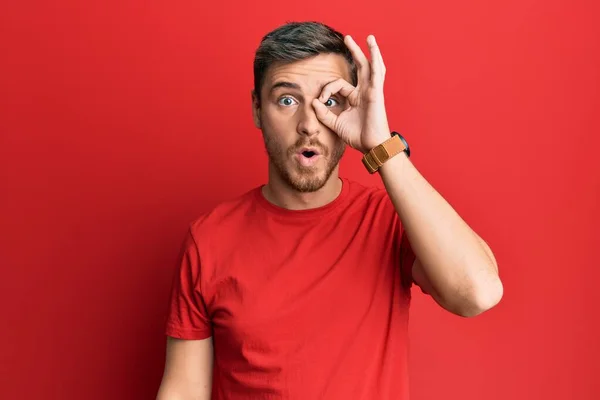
x=319 y=107
x=188 y=370
x=288 y=122
x=453 y=263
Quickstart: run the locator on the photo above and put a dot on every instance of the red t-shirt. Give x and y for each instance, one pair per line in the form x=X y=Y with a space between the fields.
x=305 y=304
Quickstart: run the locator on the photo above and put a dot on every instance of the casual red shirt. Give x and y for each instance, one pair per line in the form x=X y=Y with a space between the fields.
x=309 y=304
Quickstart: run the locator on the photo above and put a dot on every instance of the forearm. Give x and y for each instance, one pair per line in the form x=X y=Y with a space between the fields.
x=458 y=265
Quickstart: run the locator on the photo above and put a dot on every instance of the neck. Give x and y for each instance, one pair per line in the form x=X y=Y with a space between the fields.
x=280 y=193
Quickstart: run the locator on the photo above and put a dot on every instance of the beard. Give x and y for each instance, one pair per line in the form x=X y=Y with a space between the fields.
x=301 y=178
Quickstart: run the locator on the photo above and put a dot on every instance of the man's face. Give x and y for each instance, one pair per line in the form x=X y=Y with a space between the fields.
x=289 y=123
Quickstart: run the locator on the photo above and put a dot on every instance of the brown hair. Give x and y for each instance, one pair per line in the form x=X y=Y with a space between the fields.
x=297 y=41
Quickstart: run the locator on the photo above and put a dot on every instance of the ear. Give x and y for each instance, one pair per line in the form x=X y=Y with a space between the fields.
x=256 y=110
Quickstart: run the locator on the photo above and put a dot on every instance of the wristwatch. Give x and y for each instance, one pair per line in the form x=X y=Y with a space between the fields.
x=377 y=156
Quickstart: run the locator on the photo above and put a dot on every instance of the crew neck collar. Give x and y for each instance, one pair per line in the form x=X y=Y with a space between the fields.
x=307 y=213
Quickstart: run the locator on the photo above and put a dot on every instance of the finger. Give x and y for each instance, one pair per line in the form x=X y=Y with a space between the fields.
x=340 y=86
x=362 y=63
x=324 y=114
x=377 y=65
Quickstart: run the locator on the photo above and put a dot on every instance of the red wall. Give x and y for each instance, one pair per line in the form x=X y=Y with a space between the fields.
x=120 y=122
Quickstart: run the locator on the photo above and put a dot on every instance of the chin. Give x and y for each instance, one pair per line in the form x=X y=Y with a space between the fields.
x=307 y=185
x=307 y=181
x=304 y=179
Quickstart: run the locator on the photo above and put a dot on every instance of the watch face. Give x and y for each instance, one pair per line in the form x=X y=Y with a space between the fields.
x=407 y=151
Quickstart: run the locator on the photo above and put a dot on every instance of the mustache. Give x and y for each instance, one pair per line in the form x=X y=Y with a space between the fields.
x=311 y=143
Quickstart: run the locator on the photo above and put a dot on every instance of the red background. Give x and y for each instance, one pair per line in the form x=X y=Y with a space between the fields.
x=120 y=122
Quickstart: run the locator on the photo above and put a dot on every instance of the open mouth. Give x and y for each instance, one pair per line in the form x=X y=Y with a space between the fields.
x=308 y=157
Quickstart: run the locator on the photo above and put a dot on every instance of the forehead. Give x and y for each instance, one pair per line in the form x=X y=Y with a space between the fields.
x=310 y=74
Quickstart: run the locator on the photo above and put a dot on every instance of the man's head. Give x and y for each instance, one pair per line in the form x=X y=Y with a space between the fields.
x=291 y=66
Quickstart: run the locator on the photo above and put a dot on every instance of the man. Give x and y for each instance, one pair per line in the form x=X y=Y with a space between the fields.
x=299 y=289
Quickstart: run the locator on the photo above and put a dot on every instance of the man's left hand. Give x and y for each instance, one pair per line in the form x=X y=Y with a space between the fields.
x=363 y=124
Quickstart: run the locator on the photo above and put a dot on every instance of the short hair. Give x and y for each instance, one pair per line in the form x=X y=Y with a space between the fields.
x=296 y=41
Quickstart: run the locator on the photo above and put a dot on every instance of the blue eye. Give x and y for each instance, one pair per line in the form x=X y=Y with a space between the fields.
x=329 y=102
x=286 y=101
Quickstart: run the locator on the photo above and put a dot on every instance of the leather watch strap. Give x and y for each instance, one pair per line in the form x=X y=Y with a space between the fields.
x=377 y=156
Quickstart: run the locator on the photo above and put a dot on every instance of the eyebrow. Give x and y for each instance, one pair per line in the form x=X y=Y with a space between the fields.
x=284 y=84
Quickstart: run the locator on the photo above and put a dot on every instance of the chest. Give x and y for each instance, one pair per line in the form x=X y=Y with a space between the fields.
x=278 y=291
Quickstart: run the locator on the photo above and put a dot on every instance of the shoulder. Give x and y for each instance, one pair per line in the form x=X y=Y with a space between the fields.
x=373 y=206
x=224 y=216
x=367 y=195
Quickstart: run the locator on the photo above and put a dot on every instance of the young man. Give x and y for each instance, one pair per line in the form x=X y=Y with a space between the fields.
x=300 y=289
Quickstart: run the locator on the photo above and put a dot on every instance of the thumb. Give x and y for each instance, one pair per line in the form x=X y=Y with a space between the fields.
x=324 y=114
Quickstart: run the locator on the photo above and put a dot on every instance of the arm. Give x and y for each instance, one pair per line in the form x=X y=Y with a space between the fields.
x=453 y=263
x=188 y=370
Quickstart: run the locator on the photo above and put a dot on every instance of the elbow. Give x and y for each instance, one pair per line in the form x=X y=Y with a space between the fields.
x=483 y=297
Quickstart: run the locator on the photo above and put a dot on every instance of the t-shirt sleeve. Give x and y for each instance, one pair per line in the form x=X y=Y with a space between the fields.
x=187 y=316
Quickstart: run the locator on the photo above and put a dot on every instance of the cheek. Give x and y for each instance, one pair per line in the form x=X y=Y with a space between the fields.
x=279 y=116
x=338 y=147
x=278 y=131
x=277 y=123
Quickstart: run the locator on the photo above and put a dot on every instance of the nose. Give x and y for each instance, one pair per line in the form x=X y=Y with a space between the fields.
x=308 y=124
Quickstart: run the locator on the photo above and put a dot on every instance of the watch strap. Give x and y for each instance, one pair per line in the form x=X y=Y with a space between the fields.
x=377 y=156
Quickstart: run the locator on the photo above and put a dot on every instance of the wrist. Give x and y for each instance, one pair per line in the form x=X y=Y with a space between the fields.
x=395 y=164
x=386 y=150
x=376 y=141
